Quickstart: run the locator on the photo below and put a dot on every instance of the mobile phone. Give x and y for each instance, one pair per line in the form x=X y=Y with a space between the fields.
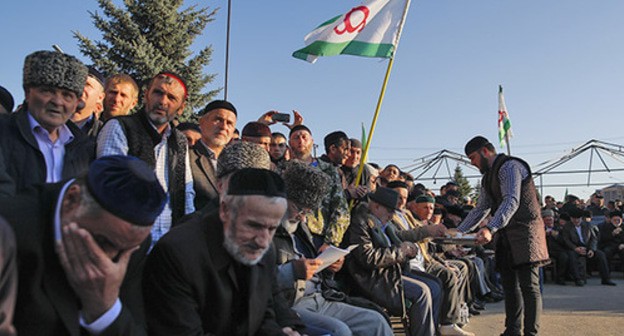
x=281 y=117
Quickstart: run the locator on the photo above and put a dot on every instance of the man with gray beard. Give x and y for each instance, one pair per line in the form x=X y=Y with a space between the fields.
x=214 y=275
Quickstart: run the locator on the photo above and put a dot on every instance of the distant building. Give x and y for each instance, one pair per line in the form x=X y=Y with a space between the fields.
x=613 y=192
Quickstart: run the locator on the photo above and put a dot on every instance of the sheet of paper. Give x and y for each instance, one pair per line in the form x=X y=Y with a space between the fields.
x=331 y=254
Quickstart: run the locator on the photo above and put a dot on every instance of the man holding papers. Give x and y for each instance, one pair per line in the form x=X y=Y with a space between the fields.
x=319 y=306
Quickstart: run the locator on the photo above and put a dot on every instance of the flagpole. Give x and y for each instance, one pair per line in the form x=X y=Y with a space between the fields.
x=507 y=142
x=380 y=100
x=227 y=50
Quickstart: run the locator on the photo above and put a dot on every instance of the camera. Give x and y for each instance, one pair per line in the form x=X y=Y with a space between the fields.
x=281 y=117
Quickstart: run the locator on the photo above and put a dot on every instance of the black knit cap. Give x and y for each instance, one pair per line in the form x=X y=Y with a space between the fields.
x=98 y=76
x=218 y=104
x=334 y=137
x=475 y=144
x=299 y=128
x=254 y=181
x=6 y=99
x=127 y=188
x=256 y=129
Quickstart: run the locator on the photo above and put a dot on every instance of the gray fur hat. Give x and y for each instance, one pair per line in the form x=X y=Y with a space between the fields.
x=241 y=155
x=305 y=185
x=55 y=69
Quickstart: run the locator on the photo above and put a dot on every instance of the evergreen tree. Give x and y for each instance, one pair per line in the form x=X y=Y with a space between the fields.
x=150 y=36
x=462 y=182
x=475 y=192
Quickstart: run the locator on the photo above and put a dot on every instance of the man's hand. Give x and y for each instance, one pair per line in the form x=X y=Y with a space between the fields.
x=267 y=118
x=357 y=192
x=621 y=247
x=95 y=278
x=617 y=231
x=337 y=265
x=580 y=250
x=298 y=120
x=409 y=249
x=484 y=236
x=290 y=331
x=305 y=268
x=437 y=230
x=590 y=254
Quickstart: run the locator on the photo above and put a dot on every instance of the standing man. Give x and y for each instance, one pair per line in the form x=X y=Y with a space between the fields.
x=81 y=245
x=509 y=194
x=214 y=274
x=87 y=118
x=38 y=143
x=217 y=123
x=121 y=96
x=150 y=136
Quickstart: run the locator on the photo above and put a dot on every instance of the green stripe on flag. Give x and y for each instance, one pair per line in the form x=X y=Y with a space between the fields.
x=323 y=48
x=328 y=22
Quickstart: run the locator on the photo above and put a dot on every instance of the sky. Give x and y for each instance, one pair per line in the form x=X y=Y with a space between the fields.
x=561 y=63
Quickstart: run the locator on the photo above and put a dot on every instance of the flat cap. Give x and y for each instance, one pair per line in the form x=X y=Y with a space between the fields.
x=386 y=197
x=241 y=155
x=127 y=188
x=305 y=185
x=55 y=69
x=299 y=128
x=475 y=144
x=254 y=181
x=425 y=199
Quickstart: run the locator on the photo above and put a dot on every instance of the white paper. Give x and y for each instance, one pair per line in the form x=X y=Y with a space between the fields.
x=331 y=255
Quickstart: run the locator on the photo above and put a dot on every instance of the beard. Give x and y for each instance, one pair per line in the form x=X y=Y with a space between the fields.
x=235 y=250
x=485 y=166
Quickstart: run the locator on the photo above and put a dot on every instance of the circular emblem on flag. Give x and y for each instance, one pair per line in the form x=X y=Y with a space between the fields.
x=355 y=20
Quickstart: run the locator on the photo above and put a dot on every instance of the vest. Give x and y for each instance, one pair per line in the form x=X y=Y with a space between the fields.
x=142 y=138
x=524 y=234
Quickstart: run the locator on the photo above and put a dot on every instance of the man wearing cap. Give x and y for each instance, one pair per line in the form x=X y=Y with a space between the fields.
x=38 y=143
x=278 y=148
x=191 y=131
x=257 y=133
x=337 y=152
x=612 y=236
x=87 y=118
x=121 y=96
x=299 y=278
x=556 y=246
x=150 y=136
x=350 y=169
x=376 y=265
x=330 y=222
x=509 y=195
x=214 y=275
x=6 y=101
x=454 y=279
x=217 y=122
x=81 y=245
x=582 y=243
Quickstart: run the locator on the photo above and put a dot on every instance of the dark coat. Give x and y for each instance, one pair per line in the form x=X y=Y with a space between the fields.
x=190 y=285
x=204 y=176
x=572 y=239
x=607 y=239
x=375 y=265
x=46 y=304
x=26 y=164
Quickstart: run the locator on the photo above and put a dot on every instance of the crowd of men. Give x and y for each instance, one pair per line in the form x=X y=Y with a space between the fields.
x=122 y=222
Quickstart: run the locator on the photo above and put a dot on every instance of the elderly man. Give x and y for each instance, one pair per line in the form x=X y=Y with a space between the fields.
x=217 y=122
x=612 y=236
x=149 y=135
x=76 y=245
x=508 y=192
x=214 y=275
x=87 y=118
x=582 y=244
x=257 y=133
x=376 y=265
x=556 y=246
x=38 y=143
x=299 y=277
x=121 y=96
x=331 y=221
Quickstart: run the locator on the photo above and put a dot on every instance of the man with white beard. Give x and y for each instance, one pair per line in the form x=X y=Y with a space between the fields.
x=214 y=275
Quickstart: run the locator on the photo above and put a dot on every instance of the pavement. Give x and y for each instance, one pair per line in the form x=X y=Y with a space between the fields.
x=594 y=309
